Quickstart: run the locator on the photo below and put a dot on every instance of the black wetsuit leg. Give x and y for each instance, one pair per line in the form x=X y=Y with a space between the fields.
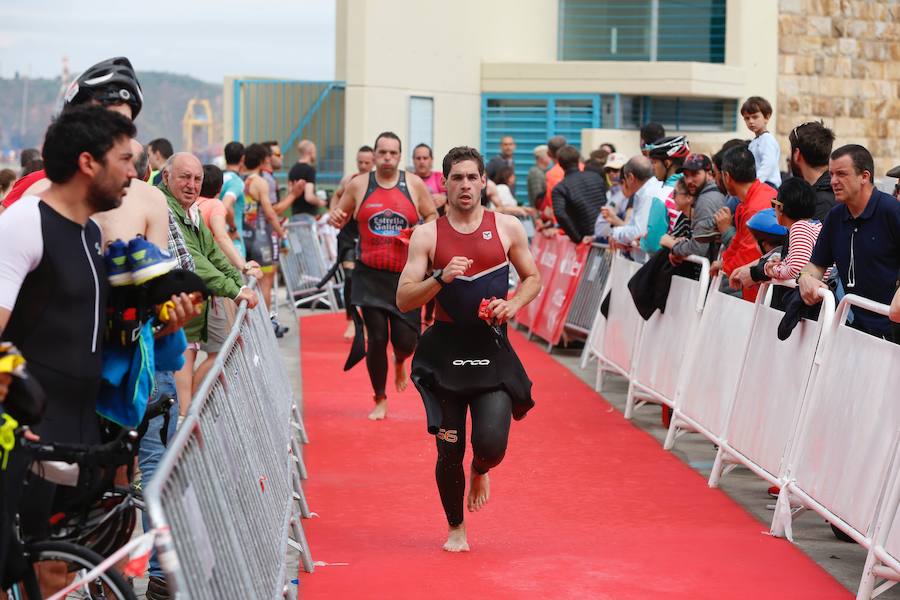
x=348 y=287
x=382 y=326
x=403 y=337
x=376 y=321
x=491 y=416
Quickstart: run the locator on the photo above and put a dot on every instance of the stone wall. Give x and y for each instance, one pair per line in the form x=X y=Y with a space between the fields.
x=839 y=61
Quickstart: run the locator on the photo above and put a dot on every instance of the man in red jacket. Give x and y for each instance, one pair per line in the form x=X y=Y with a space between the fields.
x=739 y=174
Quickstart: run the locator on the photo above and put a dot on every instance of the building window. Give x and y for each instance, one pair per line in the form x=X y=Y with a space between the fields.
x=421 y=123
x=679 y=114
x=642 y=30
x=532 y=119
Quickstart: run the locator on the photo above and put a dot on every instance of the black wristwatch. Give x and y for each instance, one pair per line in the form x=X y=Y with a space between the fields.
x=436 y=275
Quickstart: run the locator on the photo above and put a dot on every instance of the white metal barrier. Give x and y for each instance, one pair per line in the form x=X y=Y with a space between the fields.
x=666 y=339
x=816 y=414
x=847 y=433
x=225 y=489
x=773 y=382
x=623 y=327
x=882 y=567
x=708 y=381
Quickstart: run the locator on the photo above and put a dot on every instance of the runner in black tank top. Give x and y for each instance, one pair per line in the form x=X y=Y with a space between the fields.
x=386 y=206
x=463 y=363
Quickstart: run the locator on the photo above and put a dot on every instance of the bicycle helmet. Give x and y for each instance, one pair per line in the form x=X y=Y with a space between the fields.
x=104 y=527
x=669 y=147
x=108 y=82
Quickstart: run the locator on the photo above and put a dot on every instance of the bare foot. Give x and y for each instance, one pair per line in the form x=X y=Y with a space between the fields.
x=350 y=332
x=479 y=491
x=400 y=378
x=380 y=411
x=456 y=539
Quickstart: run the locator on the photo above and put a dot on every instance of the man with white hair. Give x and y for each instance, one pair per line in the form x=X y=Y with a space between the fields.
x=181 y=182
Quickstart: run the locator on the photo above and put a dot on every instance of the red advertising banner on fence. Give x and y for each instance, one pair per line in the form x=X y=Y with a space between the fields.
x=560 y=289
x=545 y=256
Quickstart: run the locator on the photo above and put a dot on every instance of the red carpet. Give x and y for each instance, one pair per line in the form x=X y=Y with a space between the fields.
x=584 y=505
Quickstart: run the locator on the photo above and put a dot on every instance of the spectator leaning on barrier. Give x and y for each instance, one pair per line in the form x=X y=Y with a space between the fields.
x=756 y=112
x=537 y=175
x=615 y=198
x=810 y=148
x=504 y=159
x=703 y=202
x=639 y=184
x=182 y=181
x=739 y=176
x=578 y=197
x=666 y=156
x=795 y=209
x=861 y=237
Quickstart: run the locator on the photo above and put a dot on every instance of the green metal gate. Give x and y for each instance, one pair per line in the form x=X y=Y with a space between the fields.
x=289 y=111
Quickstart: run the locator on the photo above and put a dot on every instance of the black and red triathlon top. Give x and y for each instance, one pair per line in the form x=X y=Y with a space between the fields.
x=488 y=277
x=385 y=217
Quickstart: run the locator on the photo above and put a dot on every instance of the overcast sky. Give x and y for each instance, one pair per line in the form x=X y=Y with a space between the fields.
x=207 y=39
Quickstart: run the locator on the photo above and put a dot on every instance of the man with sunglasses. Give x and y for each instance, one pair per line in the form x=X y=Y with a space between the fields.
x=861 y=237
x=810 y=148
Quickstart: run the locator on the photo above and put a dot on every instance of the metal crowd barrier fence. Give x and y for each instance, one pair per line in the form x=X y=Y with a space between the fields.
x=704 y=394
x=622 y=329
x=843 y=454
x=791 y=363
x=815 y=414
x=589 y=292
x=225 y=489
x=660 y=351
x=305 y=266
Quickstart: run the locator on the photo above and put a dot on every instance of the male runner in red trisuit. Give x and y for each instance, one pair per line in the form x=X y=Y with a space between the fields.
x=386 y=204
x=463 y=361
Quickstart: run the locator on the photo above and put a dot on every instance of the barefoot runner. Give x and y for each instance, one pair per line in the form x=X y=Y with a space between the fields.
x=386 y=205
x=464 y=362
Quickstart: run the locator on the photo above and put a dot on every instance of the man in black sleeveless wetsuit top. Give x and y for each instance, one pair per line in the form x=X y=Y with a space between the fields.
x=463 y=362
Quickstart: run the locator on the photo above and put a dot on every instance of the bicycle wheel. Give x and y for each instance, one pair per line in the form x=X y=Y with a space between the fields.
x=78 y=560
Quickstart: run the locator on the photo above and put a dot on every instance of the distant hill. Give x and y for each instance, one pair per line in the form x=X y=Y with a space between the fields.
x=165 y=98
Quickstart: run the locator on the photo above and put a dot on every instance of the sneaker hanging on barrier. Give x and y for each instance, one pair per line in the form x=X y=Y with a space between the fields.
x=148 y=261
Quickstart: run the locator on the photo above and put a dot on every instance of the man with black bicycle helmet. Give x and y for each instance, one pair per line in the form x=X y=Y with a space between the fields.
x=666 y=157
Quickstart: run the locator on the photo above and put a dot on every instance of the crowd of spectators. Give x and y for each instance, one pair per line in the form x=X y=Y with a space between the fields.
x=823 y=223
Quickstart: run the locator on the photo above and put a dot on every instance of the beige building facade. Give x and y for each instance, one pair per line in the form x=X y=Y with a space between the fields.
x=390 y=51
x=469 y=71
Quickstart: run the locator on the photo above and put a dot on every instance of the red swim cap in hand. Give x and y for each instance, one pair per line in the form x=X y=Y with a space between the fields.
x=484 y=312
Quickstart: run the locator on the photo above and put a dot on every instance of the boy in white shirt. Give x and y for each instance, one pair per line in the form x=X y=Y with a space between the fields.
x=756 y=112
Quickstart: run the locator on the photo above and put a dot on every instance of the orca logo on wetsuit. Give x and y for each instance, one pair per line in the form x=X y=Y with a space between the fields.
x=387 y=223
x=473 y=362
